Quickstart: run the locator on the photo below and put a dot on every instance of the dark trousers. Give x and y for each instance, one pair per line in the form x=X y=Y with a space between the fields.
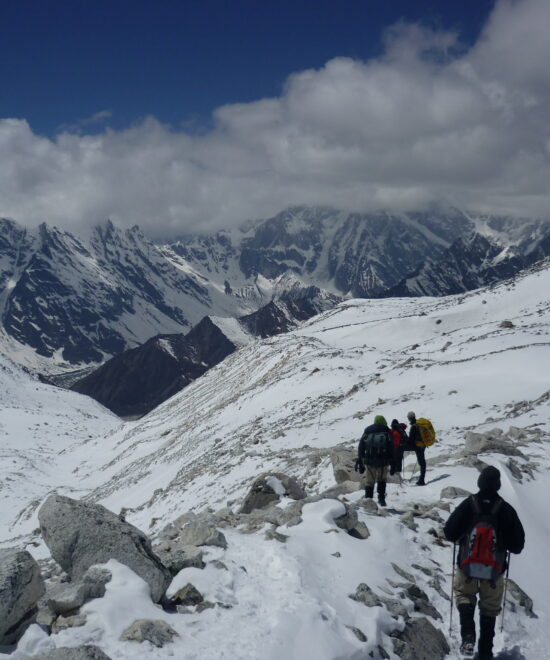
x=419 y=451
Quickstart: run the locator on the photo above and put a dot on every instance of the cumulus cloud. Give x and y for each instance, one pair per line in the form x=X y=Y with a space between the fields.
x=428 y=121
x=99 y=117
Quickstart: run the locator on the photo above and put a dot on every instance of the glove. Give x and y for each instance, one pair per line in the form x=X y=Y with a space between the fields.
x=359 y=466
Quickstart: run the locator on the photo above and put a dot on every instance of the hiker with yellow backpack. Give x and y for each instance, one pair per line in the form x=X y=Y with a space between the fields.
x=421 y=435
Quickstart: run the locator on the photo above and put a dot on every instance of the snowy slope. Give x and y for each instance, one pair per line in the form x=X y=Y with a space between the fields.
x=282 y=404
x=38 y=425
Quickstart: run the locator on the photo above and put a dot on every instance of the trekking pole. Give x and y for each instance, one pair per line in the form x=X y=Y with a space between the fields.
x=505 y=592
x=452 y=588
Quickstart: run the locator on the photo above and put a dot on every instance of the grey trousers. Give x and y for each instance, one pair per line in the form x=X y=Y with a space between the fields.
x=375 y=474
x=490 y=598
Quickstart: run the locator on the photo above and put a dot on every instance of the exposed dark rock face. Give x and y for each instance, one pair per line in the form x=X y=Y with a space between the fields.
x=472 y=262
x=138 y=380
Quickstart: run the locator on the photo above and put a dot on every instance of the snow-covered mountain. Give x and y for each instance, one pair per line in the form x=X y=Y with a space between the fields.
x=495 y=250
x=138 y=380
x=67 y=301
x=475 y=363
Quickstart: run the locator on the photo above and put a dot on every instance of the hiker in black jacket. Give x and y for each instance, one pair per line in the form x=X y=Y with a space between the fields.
x=510 y=537
x=416 y=444
x=375 y=454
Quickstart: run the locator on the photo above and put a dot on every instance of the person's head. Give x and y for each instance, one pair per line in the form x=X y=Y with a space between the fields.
x=411 y=417
x=380 y=419
x=489 y=480
x=394 y=424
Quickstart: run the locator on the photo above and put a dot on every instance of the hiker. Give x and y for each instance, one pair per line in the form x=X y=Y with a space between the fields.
x=417 y=444
x=375 y=453
x=482 y=562
x=400 y=440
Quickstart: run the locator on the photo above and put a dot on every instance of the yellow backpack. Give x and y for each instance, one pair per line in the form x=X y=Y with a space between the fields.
x=427 y=432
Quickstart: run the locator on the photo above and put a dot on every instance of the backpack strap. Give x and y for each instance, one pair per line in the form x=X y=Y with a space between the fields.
x=475 y=505
x=496 y=507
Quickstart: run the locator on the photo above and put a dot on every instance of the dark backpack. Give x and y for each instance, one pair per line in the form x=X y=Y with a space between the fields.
x=376 y=444
x=481 y=556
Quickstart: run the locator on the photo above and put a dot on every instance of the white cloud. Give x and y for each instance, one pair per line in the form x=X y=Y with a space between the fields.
x=428 y=121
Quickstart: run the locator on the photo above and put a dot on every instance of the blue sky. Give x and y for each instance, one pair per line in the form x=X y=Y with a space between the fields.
x=194 y=116
x=65 y=61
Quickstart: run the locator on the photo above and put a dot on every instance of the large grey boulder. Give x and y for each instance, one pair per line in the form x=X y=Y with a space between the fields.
x=21 y=586
x=179 y=558
x=343 y=465
x=269 y=488
x=198 y=533
x=76 y=653
x=452 y=492
x=478 y=443
x=80 y=534
x=421 y=640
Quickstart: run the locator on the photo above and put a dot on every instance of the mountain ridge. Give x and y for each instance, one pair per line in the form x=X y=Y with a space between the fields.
x=70 y=302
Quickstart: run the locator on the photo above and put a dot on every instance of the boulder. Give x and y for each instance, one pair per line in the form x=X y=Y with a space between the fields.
x=69 y=596
x=188 y=595
x=156 y=631
x=452 y=492
x=269 y=488
x=21 y=586
x=198 y=533
x=80 y=534
x=181 y=557
x=66 y=622
x=522 y=598
x=421 y=640
x=421 y=601
x=364 y=594
x=343 y=465
x=348 y=520
x=76 y=653
x=477 y=443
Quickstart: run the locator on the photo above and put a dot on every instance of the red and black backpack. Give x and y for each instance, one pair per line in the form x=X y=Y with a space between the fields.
x=481 y=556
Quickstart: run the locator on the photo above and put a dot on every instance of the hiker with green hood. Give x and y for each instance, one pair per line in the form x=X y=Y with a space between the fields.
x=375 y=455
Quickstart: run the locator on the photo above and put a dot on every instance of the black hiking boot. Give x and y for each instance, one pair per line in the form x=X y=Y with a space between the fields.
x=369 y=491
x=486 y=634
x=382 y=493
x=467 y=629
x=421 y=482
x=467 y=648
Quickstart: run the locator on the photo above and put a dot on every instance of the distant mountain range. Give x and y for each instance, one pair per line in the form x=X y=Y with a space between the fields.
x=69 y=302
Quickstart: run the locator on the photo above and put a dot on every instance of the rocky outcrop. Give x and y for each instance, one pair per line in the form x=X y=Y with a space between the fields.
x=421 y=639
x=80 y=534
x=269 y=488
x=196 y=533
x=452 y=492
x=155 y=631
x=343 y=466
x=21 y=586
x=66 y=597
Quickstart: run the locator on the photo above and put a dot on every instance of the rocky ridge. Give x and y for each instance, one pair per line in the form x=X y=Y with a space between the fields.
x=74 y=301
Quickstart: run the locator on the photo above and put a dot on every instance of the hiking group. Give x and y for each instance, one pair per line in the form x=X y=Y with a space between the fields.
x=381 y=451
x=485 y=527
